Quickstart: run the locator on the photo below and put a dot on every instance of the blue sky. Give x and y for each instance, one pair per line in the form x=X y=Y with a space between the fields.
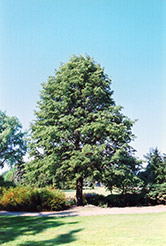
x=127 y=37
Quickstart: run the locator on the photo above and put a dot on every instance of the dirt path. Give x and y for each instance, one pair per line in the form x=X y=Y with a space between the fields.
x=92 y=210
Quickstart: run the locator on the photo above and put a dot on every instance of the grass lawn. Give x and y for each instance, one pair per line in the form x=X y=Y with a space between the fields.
x=110 y=230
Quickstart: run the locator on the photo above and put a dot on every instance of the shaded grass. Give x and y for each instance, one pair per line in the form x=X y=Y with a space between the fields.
x=110 y=230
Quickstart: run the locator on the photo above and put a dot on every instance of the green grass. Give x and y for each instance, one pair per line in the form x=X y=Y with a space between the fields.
x=110 y=230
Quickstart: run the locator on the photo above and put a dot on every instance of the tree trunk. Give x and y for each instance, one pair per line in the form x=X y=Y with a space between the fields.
x=79 y=188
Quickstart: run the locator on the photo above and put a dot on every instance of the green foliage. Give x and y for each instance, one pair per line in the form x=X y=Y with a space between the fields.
x=155 y=172
x=119 y=200
x=94 y=199
x=123 y=174
x=157 y=193
x=12 y=143
x=71 y=201
x=30 y=199
x=78 y=128
x=2 y=182
x=154 y=176
x=52 y=199
x=9 y=175
x=15 y=174
x=19 y=171
x=5 y=183
x=14 y=198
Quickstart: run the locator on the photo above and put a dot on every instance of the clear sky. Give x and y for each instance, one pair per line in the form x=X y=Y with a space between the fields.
x=127 y=37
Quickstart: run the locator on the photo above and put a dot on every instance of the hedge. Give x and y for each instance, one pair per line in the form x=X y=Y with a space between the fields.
x=32 y=199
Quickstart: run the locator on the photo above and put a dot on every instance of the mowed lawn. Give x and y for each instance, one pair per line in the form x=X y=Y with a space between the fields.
x=114 y=230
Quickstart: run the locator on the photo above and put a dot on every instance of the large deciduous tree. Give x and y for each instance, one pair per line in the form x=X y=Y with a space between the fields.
x=12 y=142
x=78 y=128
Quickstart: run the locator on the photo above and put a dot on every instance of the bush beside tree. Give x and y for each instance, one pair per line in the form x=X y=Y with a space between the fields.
x=32 y=199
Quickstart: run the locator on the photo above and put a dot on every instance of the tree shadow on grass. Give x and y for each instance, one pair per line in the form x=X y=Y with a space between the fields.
x=12 y=227
x=59 y=240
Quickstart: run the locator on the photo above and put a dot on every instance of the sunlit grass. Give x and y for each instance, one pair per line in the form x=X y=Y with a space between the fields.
x=110 y=230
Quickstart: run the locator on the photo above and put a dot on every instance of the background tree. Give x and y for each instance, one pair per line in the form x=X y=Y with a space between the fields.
x=122 y=172
x=12 y=142
x=154 y=176
x=155 y=171
x=78 y=128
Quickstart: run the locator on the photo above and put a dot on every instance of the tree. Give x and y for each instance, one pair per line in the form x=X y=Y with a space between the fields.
x=154 y=176
x=122 y=172
x=12 y=142
x=155 y=171
x=78 y=127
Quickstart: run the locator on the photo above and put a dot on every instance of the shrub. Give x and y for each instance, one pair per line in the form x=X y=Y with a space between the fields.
x=29 y=199
x=118 y=200
x=157 y=193
x=15 y=198
x=52 y=199
x=95 y=199
x=70 y=201
x=124 y=200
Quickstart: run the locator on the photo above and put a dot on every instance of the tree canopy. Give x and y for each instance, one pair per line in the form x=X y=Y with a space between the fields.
x=79 y=130
x=155 y=171
x=154 y=176
x=12 y=142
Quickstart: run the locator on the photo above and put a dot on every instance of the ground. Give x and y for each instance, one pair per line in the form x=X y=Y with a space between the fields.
x=92 y=210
